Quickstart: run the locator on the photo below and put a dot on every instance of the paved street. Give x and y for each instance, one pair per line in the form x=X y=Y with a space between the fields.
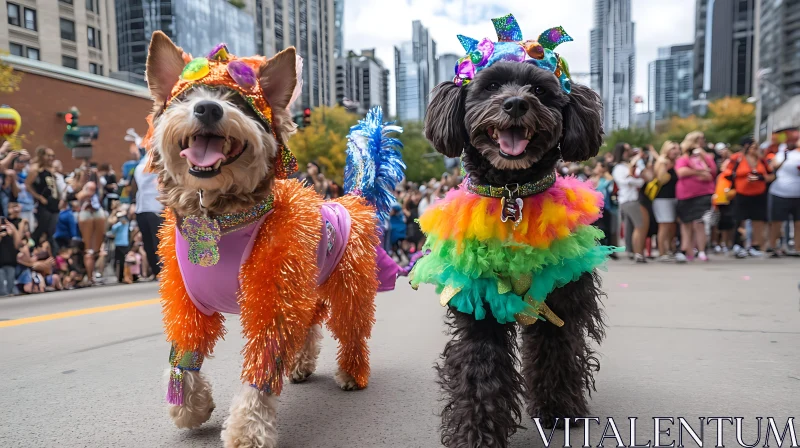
x=720 y=339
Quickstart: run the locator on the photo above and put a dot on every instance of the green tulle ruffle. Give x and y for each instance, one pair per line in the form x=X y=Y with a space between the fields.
x=474 y=268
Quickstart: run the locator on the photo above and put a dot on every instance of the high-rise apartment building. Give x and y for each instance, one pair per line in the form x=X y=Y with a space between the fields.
x=723 y=48
x=362 y=82
x=311 y=27
x=670 y=82
x=75 y=34
x=415 y=74
x=194 y=25
x=779 y=54
x=613 y=60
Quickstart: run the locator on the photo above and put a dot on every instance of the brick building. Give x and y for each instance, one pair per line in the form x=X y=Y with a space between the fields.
x=48 y=89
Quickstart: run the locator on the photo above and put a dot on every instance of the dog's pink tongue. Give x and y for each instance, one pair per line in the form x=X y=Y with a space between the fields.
x=512 y=141
x=205 y=151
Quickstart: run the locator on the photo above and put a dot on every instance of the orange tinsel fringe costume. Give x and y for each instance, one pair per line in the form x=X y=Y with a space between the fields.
x=279 y=296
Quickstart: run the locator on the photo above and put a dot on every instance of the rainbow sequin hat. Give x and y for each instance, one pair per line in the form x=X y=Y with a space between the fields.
x=511 y=47
x=222 y=69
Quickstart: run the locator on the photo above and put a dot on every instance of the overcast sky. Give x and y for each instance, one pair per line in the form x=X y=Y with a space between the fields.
x=384 y=24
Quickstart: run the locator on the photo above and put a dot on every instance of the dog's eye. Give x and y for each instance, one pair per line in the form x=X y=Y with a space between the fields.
x=493 y=87
x=538 y=90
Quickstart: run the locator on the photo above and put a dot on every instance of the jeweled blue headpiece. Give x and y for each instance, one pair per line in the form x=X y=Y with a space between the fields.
x=511 y=47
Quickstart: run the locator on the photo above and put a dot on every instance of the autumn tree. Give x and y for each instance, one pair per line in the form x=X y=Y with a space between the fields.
x=324 y=141
x=9 y=79
x=729 y=120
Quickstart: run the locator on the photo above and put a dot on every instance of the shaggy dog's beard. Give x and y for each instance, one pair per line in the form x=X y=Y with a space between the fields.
x=238 y=185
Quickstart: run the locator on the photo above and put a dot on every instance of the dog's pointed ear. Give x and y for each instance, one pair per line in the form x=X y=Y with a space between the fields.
x=278 y=77
x=164 y=66
x=444 y=122
x=583 y=125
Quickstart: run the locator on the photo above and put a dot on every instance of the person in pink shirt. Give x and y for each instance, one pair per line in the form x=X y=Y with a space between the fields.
x=696 y=181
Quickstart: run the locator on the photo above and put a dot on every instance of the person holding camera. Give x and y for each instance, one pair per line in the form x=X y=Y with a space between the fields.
x=41 y=183
x=10 y=242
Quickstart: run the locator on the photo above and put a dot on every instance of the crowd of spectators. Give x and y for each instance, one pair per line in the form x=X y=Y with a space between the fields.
x=694 y=198
x=62 y=230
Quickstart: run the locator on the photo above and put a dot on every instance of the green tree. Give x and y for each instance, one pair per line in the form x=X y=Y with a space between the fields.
x=422 y=161
x=324 y=141
x=632 y=136
x=676 y=128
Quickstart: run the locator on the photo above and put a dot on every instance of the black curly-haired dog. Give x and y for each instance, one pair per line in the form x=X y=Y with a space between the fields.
x=478 y=369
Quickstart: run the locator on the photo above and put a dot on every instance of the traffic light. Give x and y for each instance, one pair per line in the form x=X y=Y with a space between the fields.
x=71 y=118
x=307 y=117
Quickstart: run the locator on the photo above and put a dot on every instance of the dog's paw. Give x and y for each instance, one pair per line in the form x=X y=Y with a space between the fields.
x=198 y=403
x=189 y=417
x=345 y=381
x=252 y=422
x=299 y=375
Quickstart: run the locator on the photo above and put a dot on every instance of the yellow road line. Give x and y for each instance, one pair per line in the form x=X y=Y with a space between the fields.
x=83 y=312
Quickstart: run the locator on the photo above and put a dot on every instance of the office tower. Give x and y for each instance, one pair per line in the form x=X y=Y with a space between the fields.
x=612 y=61
x=723 y=48
x=779 y=48
x=670 y=82
x=311 y=27
x=362 y=82
x=446 y=67
x=80 y=35
x=194 y=25
x=338 y=25
x=415 y=74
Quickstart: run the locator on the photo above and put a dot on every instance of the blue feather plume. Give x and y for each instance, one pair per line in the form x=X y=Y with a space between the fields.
x=374 y=163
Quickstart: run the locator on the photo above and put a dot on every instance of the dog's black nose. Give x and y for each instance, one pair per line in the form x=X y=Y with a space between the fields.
x=515 y=106
x=208 y=112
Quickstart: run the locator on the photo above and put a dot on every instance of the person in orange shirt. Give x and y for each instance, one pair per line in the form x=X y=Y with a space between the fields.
x=749 y=174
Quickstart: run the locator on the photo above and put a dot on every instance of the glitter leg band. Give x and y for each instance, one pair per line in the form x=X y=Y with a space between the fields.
x=179 y=364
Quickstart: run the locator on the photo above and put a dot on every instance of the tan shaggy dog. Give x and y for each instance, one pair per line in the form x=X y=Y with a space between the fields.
x=280 y=257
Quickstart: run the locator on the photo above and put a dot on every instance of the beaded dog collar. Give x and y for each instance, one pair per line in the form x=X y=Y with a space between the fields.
x=203 y=232
x=513 y=190
x=510 y=196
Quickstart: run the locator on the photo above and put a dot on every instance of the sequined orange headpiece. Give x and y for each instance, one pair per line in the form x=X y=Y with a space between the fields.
x=222 y=69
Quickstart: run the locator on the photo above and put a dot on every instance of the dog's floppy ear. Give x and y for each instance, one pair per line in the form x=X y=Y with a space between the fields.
x=278 y=77
x=444 y=122
x=583 y=125
x=164 y=66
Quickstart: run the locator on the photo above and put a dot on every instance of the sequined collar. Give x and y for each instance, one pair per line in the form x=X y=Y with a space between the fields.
x=513 y=190
x=230 y=220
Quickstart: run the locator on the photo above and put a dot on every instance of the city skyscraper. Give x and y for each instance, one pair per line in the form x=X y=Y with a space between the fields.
x=80 y=36
x=415 y=74
x=779 y=54
x=409 y=102
x=310 y=27
x=362 y=80
x=338 y=25
x=670 y=82
x=194 y=25
x=723 y=48
x=612 y=61
x=446 y=67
